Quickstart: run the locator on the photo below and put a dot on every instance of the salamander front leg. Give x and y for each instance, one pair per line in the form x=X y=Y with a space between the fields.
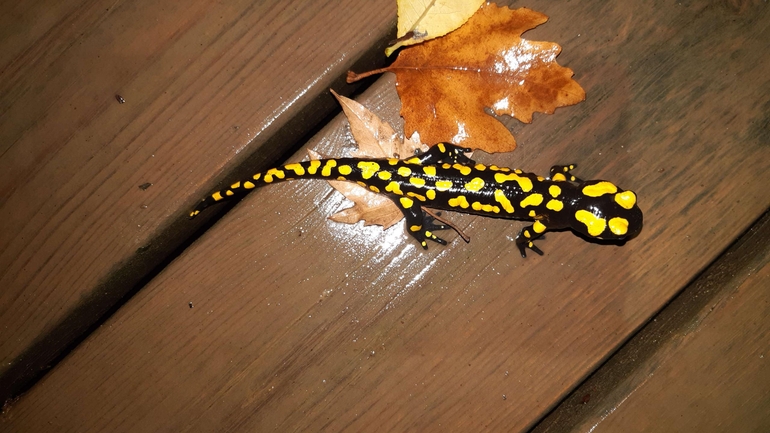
x=446 y=153
x=527 y=236
x=561 y=173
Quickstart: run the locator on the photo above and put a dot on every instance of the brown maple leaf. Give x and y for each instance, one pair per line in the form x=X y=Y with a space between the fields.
x=445 y=84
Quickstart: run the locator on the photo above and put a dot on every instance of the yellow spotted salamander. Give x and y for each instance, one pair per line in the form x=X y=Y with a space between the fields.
x=444 y=178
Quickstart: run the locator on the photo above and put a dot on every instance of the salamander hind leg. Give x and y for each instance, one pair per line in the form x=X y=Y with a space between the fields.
x=418 y=223
x=526 y=238
x=561 y=173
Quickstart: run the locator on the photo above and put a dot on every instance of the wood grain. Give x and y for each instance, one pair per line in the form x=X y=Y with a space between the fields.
x=697 y=366
x=93 y=192
x=303 y=324
x=716 y=381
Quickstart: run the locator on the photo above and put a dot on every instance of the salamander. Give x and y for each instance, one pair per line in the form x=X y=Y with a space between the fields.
x=445 y=178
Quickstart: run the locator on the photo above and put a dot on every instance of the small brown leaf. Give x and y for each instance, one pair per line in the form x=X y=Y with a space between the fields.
x=371 y=208
x=375 y=139
x=446 y=83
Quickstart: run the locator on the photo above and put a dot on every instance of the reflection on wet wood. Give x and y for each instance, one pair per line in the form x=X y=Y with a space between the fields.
x=301 y=323
x=101 y=100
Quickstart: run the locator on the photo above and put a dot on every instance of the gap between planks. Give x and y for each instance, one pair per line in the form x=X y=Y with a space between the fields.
x=621 y=373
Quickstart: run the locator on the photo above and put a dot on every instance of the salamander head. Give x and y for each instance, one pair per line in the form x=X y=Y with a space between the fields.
x=604 y=211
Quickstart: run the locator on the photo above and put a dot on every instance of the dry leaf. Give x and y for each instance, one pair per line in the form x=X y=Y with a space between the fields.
x=421 y=20
x=445 y=84
x=376 y=139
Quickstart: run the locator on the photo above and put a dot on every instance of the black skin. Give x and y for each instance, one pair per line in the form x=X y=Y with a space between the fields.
x=445 y=178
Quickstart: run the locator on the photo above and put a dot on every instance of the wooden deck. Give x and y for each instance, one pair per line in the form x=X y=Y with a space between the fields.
x=274 y=318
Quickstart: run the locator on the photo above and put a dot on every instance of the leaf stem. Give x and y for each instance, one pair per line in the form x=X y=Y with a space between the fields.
x=465 y=237
x=353 y=77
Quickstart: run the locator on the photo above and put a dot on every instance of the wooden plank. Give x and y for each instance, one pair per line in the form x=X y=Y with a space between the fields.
x=299 y=323
x=728 y=389
x=94 y=193
x=701 y=365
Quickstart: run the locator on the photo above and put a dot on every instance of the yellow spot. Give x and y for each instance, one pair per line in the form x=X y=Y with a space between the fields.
x=374 y=188
x=404 y=171
x=424 y=244
x=446 y=165
x=527 y=234
x=494 y=167
x=503 y=200
x=476 y=205
x=393 y=161
x=525 y=183
x=431 y=193
x=415 y=195
x=532 y=200
x=313 y=168
x=257 y=176
x=554 y=190
x=217 y=196
x=384 y=175
x=429 y=170
x=459 y=201
x=465 y=170
x=538 y=227
x=296 y=168
x=428 y=234
x=229 y=193
x=532 y=214
x=343 y=169
x=441 y=147
x=490 y=208
x=394 y=187
x=327 y=170
x=368 y=168
x=555 y=205
x=248 y=185
x=475 y=184
x=540 y=178
x=415 y=228
x=600 y=189
x=480 y=167
x=626 y=199
x=194 y=213
x=361 y=184
x=619 y=226
x=559 y=177
x=413 y=160
x=406 y=202
x=517 y=171
x=594 y=224
x=443 y=185
x=236 y=185
x=416 y=181
x=274 y=172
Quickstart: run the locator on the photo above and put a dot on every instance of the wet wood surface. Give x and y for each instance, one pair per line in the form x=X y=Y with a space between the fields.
x=117 y=117
x=699 y=365
x=714 y=378
x=278 y=319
